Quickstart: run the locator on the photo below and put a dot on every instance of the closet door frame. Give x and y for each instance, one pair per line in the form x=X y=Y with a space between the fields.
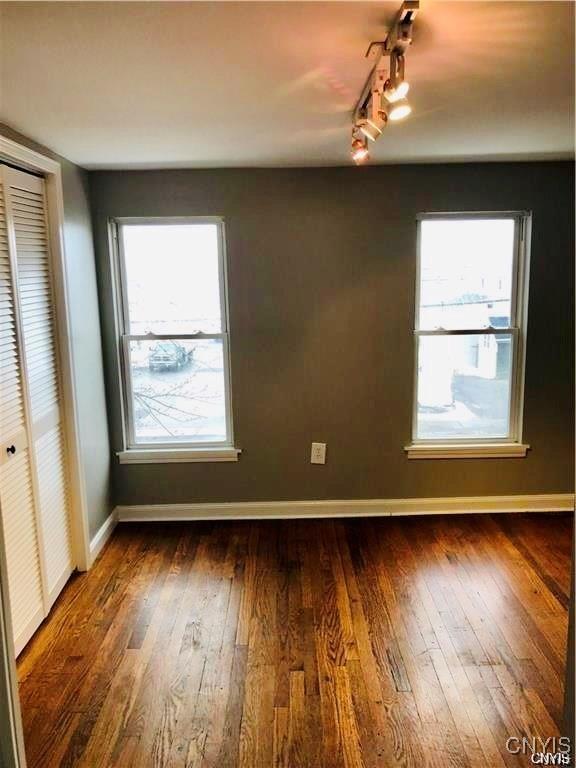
x=12 y=749
x=26 y=159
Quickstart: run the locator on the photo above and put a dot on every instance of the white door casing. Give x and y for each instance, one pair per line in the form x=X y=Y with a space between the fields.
x=33 y=479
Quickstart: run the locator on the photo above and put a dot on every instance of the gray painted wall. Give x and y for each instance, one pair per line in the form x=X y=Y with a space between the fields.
x=86 y=338
x=321 y=283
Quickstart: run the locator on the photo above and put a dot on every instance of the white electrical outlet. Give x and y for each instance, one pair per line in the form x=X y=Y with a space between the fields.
x=318 y=453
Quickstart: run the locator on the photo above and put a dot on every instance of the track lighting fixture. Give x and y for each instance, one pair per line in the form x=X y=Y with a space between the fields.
x=371 y=130
x=383 y=97
x=374 y=121
x=396 y=87
x=399 y=109
x=395 y=94
x=359 y=151
x=372 y=125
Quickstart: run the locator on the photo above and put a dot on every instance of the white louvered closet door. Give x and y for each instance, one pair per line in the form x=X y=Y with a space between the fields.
x=16 y=485
x=42 y=538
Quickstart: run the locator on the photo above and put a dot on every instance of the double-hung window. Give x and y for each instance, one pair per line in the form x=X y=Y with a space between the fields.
x=469 y=335
x=173 y=339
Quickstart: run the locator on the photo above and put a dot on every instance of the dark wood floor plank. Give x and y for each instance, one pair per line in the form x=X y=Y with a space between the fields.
x=367 y=643
x=281 y=743
x=550 y=566
x=228 y=753
x=444 y=742
x=380 y=701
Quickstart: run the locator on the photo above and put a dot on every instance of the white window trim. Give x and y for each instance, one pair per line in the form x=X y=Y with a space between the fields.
x=512 y=446
x=185 y=452
x=177 y=455
x=466 y=451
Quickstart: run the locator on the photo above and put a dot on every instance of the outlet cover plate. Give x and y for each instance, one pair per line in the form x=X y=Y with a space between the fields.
x=318 y=453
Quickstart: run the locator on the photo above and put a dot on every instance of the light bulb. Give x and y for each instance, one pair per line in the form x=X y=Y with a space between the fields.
x=359 y=151
x=402 y=89
x=395 y=94
x=398 y=110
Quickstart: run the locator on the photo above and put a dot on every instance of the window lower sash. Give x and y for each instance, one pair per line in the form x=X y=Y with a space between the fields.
x=175 y=450
x=445 y=447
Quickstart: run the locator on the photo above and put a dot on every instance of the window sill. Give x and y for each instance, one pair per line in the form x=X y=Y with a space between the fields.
x=178 y=455
x=466 y=451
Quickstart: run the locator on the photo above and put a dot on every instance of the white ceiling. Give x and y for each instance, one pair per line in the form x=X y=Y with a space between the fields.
x=194 y=84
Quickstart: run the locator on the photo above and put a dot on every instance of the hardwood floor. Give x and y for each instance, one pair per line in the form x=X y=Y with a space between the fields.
x=422 y=641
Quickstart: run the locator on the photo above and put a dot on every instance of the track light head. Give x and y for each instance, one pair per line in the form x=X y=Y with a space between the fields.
x=396 y=87
x=393 y=94
x=371 y=130
x=360 y=151
x=373 y=125
x=399 y=109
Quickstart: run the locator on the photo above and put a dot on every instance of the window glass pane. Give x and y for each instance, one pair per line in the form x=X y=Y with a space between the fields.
x=464 y=386
x=172 y=278
x=178 y=391
x=466 y=268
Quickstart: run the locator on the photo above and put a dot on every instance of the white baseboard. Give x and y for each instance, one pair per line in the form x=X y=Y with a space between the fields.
x=104 y=532
x=264 y=510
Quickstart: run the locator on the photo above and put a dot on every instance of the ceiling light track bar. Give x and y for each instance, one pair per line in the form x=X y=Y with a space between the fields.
x=384 y=94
